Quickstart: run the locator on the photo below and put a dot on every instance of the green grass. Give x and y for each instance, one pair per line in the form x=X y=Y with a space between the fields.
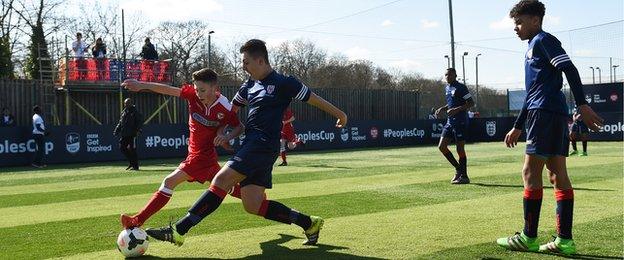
x=378 y=203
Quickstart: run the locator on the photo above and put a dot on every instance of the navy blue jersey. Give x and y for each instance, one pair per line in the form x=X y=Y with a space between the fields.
x=267 y=100
x=544 y=62
x=457 y=95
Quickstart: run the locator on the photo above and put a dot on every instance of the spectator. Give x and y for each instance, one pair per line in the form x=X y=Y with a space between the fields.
x=127 y=129
x=7 y=118
x=148 y=51
x=99 y=53
x=38 y=132
x=79 y=48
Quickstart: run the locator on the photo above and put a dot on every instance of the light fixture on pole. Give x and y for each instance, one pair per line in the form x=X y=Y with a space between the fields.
x=463 y=68
x=448 y=61
x=614 y=66
x=599 y=75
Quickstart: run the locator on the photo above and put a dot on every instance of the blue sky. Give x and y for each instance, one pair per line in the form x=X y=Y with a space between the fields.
x=409 y=35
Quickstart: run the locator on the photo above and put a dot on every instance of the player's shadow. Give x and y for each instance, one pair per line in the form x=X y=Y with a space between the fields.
x=274 y=249
x=581 y=256
x=521 y=186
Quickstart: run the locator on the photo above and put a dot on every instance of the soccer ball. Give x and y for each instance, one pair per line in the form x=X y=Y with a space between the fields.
x=132 y=242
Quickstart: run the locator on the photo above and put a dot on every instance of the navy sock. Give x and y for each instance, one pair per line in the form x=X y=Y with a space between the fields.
x=207 y=203
x=532 y=205
x=584 y=146
x=565 y=210
x=463 y=166
x=449 y=156
x=279 y=212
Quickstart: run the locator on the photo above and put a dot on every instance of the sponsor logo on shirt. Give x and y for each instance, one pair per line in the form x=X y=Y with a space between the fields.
x=270 y=89
x=202 y=120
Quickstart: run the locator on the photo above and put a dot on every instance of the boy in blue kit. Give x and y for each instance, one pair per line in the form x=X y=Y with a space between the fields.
x=267 y=94
x=458 y=101
x=545 y=112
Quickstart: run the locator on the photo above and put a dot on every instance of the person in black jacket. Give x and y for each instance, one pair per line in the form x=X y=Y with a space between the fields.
x=148 y=52
x=127 y=129
x=7 y=119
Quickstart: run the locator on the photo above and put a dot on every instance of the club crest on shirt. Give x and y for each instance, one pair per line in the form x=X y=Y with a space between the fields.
x=529 y=54
x=270 y=89
x=220 y=115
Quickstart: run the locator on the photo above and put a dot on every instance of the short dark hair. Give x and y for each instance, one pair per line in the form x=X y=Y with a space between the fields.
x=78 y=34
x=36 y=109
x=205 y=75
x=528 y=7
x=255 y=48
x=147 y=39
x=452 y=70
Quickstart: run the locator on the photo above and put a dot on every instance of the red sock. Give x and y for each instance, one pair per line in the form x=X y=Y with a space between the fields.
x=283 y=154
x=235 y=191
x=158 y=200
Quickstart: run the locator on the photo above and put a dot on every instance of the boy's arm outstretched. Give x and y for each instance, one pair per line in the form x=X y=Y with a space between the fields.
x=322 y=104
x=136 y=86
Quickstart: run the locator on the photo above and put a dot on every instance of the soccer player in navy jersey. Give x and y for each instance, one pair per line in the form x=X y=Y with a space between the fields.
x=546 y=114
x=267 y=94
x=458 y=101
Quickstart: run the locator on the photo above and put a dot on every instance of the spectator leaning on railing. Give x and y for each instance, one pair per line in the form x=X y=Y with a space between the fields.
x=79 y=47
x=99 y=53
x=148 y=52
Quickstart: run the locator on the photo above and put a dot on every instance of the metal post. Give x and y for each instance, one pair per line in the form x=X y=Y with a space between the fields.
x=593 y=76
x=610 y=72
x=614 y=66
x=477 y=81
x=209 y=33
x=463 y=68
x=123 y=58
x=599 y=75
x=452 y=34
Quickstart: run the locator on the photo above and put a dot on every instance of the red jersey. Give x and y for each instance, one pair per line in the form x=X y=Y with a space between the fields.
x=204 y=122
x=287 y=114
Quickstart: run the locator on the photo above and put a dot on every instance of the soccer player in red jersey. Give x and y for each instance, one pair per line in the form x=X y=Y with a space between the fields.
x=288 y=138
x=209 y=113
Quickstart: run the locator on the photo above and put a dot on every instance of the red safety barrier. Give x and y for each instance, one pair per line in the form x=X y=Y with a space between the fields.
x=100 y=70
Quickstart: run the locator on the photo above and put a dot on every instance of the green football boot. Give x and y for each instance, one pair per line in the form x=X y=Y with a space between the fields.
x=559 y=246
x=168 y=234
x=312 y=234
x=519 y=242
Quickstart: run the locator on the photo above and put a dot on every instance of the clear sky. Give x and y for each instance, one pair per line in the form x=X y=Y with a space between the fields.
x=411 y=35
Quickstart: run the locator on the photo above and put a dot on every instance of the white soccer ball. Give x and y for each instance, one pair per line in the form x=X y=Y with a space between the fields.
x=132 y=242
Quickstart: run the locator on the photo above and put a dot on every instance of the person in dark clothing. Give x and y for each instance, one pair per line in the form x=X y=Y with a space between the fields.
x=99 y=53
x=127 y=129
x=38 y=133
x=148 y=52
x=7 y=118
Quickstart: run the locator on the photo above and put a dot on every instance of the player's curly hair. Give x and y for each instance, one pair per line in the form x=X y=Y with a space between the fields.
x=255 y=48
x=205 y=75
x=530 y=7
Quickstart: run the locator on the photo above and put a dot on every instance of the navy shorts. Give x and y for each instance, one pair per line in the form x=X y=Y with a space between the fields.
x=580 y=128
x=455 y=131
x=547 y=133
x=255 y=160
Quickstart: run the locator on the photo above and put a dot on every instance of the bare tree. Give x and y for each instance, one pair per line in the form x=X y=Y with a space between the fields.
x=104 y=22
x=181 y=41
